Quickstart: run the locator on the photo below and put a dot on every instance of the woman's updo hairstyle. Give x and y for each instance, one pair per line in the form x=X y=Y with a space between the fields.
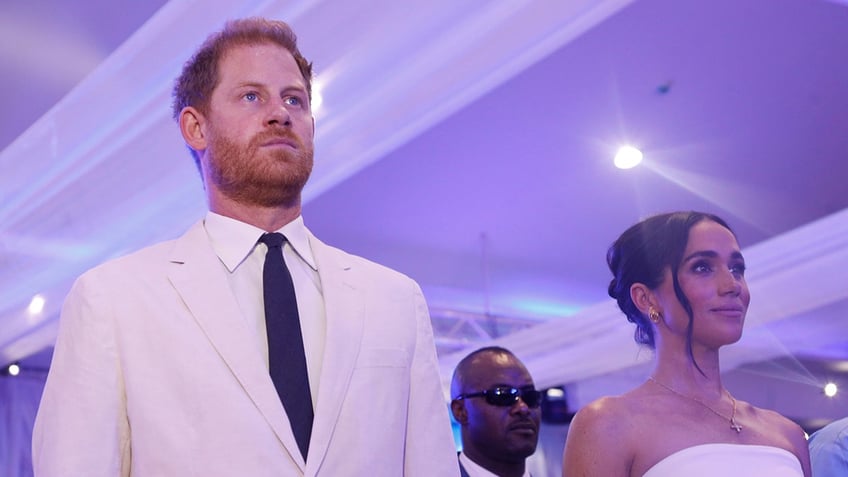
x=641 y=254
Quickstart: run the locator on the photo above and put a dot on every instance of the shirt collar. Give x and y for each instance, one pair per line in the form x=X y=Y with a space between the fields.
x=476 y=469
x=233 y=240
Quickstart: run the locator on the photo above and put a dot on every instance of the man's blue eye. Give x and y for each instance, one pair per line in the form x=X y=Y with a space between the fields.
x=251 y=96
x=294 y=101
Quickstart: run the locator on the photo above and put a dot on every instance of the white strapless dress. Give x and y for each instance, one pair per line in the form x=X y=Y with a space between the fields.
x=728 y=460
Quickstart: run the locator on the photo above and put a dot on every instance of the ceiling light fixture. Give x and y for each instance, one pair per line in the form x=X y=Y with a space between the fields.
x=627 y=157
x=830 y=389
x=555 y=393
x=36 y=305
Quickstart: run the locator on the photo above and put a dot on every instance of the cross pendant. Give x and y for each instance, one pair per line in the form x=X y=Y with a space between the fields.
x=735 y=426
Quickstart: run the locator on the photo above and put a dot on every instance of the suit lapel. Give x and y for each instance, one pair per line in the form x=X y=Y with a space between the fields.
x=345 y=313
x=462 y=471
x=198 y=278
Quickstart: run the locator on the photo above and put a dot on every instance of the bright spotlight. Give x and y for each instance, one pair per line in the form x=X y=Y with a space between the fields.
x=36 y=305
x=14 y=370
x=627 y=157
x=830 y=389
x=555 y=393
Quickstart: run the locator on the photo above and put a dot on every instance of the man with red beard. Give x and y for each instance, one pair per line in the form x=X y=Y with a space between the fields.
x=246 y=346
x=498 y=410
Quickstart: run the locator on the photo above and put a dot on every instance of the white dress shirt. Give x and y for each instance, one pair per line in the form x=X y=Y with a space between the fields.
x=475 y=470
x=236 y=244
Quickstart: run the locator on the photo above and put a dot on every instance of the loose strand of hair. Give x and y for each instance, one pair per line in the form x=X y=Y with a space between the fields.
x=678 y=291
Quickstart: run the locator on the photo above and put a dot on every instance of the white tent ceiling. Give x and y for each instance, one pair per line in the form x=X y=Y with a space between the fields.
x=467 y=144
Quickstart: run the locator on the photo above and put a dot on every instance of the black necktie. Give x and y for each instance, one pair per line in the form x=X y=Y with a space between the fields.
x=286 y=359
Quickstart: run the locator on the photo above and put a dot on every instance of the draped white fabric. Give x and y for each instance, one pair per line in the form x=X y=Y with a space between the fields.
x=131 y=141
x=19 y=398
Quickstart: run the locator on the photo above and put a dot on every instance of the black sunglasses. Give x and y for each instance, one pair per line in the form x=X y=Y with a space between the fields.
x=506 y=396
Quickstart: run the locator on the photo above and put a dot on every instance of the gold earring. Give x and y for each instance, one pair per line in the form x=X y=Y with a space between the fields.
x=654 y=315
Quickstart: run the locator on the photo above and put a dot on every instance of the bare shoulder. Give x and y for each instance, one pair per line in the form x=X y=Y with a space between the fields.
x=604 y=414
x=779 y=431
x=776 y=423
x=599 y=438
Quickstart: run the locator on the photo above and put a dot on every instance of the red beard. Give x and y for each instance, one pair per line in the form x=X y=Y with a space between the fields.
x=253 y=175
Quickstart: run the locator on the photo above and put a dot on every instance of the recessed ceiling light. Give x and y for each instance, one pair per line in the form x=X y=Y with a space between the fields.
x=627 y=157
x=830 y=389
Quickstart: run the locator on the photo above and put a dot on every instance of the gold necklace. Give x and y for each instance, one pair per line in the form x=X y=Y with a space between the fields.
x=733 y=424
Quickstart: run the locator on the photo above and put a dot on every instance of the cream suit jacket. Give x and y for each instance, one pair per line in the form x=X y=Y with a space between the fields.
x=155 y=373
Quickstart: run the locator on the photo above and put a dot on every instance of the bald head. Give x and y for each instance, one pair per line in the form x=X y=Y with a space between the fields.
x=498 y=434
x=470 y=366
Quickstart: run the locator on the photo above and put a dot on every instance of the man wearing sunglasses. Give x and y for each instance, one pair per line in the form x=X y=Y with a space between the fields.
x=496 y=405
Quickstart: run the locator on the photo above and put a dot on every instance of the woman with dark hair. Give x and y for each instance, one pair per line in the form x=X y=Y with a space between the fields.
x=680 y=278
